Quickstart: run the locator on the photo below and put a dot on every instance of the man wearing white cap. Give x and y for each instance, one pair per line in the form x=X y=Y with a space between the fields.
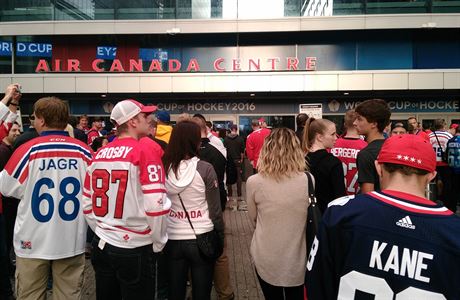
x=125 y=204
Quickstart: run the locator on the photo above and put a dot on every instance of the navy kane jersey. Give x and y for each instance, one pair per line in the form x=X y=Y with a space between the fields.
x=385 y=245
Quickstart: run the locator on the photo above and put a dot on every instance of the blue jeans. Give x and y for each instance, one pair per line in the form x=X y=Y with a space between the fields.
x=5 y=284
x=183 y=255
x=124 y=273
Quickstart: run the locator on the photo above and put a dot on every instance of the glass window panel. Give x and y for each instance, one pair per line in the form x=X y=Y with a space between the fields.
x=145 y=9
x=348 y=7
x=396 y=7
x=74 y=9
x=272 y=122
x=104 y=9
x=26 y=10
x=216 y=9
x=259 y=9
x=292 y=8
x=446 y=6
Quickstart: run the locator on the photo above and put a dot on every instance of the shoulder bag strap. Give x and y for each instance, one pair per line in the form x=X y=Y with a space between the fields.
x=439 y=144
x=186 y=214
x=311 y=188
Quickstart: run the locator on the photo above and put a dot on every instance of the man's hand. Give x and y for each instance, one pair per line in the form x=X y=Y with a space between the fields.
x=12 y=94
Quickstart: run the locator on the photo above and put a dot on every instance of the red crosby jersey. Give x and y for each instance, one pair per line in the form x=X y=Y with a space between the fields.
x=124 y=195
x=47 y=174
x=347 y=149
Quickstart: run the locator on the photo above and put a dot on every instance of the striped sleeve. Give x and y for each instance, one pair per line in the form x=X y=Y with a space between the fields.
x=7 y=118
x=4 y=111
x=13 y=178
x=156 y=204
x=87 y=202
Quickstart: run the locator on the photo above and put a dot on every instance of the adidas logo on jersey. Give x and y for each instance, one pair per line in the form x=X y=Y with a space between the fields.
x=406 y=223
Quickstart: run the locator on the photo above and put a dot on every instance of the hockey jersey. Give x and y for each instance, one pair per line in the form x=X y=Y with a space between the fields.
x=453 y=154
x=439 y=141
x=254 y=144
x=124 y=195
x=7 y=119
x=47 y=174
x=347 y=149
x=385 y=245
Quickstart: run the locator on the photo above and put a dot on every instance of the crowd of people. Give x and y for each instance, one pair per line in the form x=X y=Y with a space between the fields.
x=145 y=200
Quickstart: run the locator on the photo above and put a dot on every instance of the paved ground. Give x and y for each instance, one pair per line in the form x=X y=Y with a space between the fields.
x=238 y=233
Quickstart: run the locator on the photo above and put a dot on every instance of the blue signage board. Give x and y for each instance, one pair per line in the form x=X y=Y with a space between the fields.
x=27 y=49
x=34 y=49
x=397 y=106
x=5 y=48
x=280 y=108
x=106 y=52
x=149 y=54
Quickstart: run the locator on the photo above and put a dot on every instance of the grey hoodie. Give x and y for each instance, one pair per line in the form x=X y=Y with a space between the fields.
x=196 y=182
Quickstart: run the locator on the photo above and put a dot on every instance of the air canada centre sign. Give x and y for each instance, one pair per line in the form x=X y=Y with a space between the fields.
x=175 y=65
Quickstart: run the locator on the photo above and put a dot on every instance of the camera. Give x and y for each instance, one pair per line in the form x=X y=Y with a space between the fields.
x=18 y=89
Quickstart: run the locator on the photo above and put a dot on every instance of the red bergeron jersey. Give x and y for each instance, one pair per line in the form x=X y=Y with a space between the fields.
x=347 y=149
x=124 y=195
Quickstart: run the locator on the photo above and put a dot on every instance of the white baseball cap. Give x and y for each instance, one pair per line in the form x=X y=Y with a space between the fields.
x=128 y=109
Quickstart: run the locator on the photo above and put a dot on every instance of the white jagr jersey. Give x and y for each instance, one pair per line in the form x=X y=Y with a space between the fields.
x=47 y=175
x=125 y=199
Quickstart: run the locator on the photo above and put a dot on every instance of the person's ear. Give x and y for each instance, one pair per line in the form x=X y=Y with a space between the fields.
x=431 y=176
x=378 y=168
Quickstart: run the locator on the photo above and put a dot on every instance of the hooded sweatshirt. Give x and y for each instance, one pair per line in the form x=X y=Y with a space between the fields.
x=329 y=179
x=196 y=182
x=164 y=132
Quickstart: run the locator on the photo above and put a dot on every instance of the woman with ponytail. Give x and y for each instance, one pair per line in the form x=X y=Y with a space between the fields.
x=319 y=136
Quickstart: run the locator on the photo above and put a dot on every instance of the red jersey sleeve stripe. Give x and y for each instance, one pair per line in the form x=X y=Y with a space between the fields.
x=147 y=231
x=154 y=191
x=411 y=207
x=157 y=213
x=18 y=161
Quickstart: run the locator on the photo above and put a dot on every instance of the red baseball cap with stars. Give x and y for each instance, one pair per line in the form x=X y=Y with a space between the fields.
x=409 y=150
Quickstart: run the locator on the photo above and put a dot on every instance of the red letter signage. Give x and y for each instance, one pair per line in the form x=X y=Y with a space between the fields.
x=42 y=66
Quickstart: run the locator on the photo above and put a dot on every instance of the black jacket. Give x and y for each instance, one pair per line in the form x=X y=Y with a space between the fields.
x=213 y=156
x=80 y=135
x=25 y=137
x=235 y=146
x=299 y=133
x=329 y=179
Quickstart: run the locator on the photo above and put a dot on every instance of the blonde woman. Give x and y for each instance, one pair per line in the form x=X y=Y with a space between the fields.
x=277 y=205
x=320 y=136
